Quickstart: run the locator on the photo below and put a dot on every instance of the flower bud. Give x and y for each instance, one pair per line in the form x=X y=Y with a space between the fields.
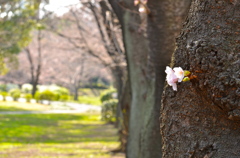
x=186 y=73
x=186 y=79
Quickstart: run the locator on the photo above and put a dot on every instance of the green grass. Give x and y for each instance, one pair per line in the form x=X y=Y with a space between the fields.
x=56 y=136
x=16 y=106
x=89 y=100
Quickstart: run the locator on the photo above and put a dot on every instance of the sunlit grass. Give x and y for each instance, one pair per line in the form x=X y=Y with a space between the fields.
x=89 y=100
x=56 y=136
x=17 y=106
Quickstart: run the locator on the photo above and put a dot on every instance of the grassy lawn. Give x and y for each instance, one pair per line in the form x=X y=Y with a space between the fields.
x=56 y=136
x=17 y=106
x=89 y=100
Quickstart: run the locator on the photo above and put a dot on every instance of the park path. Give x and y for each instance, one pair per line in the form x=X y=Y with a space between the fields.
x=76 y=108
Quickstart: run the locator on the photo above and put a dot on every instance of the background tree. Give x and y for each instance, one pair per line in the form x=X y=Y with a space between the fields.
x=164 y=22
x=15 y=37
x=59 y=63
x=137 y=56
x=35 y=71
x=83 y=34
x=204 y=113
x=15 y=28
x=79 y=69
x=103 y=43
x=145 y=67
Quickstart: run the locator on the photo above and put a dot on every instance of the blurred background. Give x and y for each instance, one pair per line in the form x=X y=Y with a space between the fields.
x=60 y=63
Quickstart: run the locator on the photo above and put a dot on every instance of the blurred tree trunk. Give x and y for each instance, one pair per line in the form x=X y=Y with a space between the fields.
x=125 y=98
x=75 y=94
x=106 y=29
x=202 y=118
x=76 y=88
x=124 y=102
x=136 y=53
x=164 y=24
x=35 y=72
x=78 y=77
x=119 y=75
x=146 y=69
x=137 y=56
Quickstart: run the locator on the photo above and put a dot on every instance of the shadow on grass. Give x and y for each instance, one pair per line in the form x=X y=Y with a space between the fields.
x=54 y=128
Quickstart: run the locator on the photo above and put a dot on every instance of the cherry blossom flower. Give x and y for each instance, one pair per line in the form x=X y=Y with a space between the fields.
x=171 y=78
x=177 y=74
x=178 y=71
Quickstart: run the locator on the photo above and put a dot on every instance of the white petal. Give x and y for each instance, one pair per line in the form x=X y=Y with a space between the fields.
x=178 y=71
x=174 y=86
x=168 y=70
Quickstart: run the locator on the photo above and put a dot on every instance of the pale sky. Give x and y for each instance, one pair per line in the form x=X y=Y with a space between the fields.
x=59 y=6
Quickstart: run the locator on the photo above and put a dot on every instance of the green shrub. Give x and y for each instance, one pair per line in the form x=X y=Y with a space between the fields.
x=64 y=98
x=108 y=95
x=52 y=93
x=15 y=93
x=37 y=96
x=44 y=95
x=47 y=95
x=56 y=96
x=3 y=87
x=4 y=94
x=28 y=97
x=109 y=109
x=61 y=93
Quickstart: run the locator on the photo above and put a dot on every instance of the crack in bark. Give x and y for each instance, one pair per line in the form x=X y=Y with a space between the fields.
x=205 y=152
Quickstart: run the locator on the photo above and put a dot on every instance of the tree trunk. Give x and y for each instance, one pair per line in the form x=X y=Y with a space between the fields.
x=39 y=62
x=75 y=93
x=112 y=47
x=201 y=119
x=147 y=76
x=34 y=88
x=164 y=22
x=35 y=72
x=124 y=102
x=136 y=51
x=142 y=89
x=32 y=71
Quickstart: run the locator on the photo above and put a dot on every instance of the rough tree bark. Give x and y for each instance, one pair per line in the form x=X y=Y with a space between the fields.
x=201 y=119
